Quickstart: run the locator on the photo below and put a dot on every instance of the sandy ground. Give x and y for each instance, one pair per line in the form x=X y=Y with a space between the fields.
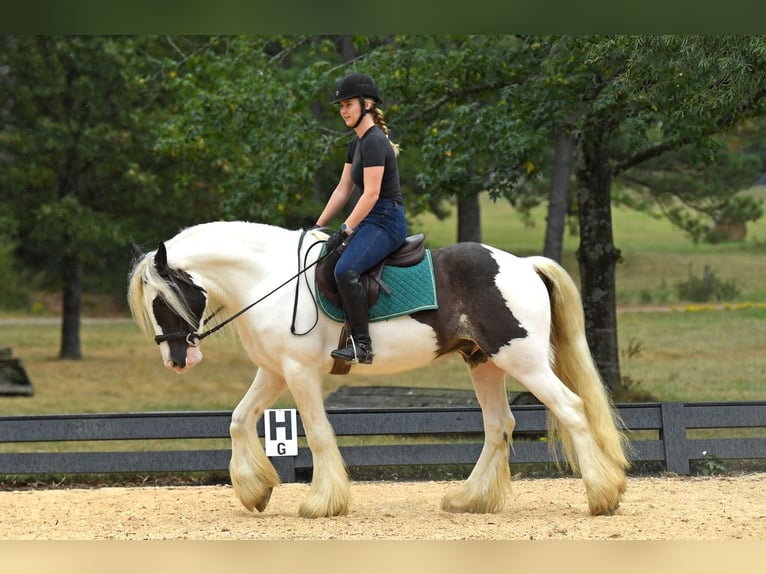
x=654 y=508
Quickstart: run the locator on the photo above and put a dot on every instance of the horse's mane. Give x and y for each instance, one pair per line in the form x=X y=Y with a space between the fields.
x=145 y=274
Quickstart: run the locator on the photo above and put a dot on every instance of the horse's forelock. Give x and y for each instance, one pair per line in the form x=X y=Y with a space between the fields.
x=145 y=275
x=136 y=301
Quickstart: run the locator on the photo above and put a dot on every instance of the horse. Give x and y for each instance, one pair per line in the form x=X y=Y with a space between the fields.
x=506 y=315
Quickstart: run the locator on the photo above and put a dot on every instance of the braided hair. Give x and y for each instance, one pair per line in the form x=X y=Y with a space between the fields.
x=377 y=118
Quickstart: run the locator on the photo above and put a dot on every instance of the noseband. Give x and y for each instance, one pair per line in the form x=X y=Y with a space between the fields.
x=192 y=339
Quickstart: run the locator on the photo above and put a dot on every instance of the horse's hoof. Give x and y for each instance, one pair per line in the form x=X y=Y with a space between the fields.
x=264 y=502
x=611 y=511
x=311 y=508
x=604 y=509
x=453 y=508
x=253 y=498
x=457 y=506
x=462 y=500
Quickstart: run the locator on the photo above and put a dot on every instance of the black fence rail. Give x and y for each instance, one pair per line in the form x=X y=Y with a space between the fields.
x=660 y=432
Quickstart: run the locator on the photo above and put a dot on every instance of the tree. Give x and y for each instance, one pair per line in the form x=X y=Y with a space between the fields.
x=79 y=176
x=700 y=200
x=457 y=97
x=635 y=99
x=67 y=122
x=249 y=126
x=485 y=109
x=558 y=197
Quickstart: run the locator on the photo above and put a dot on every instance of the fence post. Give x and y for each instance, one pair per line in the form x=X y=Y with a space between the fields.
x=673 y=437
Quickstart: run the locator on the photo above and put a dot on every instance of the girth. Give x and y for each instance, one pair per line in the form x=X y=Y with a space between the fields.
x=410 y=253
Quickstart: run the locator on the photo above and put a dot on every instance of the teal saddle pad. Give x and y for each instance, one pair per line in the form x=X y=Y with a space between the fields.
x=412 y=289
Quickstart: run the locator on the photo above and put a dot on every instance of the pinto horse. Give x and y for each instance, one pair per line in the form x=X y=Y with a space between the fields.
x=506 y=315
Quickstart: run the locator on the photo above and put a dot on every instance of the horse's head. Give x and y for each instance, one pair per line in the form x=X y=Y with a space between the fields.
x=167 y=302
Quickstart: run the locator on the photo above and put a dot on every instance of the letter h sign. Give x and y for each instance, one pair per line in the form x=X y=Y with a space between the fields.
x=281 y=432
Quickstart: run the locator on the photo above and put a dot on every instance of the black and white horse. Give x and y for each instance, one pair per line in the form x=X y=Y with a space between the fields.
x=506 y=315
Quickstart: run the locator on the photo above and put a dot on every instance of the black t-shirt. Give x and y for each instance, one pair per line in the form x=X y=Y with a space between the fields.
x=374 y=149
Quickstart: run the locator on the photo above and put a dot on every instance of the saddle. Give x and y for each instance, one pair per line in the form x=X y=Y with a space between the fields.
x=410 y=253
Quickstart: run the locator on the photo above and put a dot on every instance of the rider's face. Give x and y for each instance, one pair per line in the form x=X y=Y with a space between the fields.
x=350 y=111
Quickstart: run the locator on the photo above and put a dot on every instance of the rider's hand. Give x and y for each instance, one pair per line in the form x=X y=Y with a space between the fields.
x=337 y=238
x=334 y=241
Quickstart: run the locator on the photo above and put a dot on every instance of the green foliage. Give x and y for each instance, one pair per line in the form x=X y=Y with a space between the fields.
x=693 y=192
x=243 y=126
x=73 y=137
x=14 y=288
x=710 y=465
x=79 y=176
x=707 y=287
x=658 y=295
x=457 y=102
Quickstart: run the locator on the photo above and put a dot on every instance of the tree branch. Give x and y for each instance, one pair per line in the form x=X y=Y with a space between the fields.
x=724 y=123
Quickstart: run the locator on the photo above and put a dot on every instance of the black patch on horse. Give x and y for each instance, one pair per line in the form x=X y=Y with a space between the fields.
x=473 y=316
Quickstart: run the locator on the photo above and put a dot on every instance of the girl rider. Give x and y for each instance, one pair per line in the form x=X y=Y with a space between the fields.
x=376 y=226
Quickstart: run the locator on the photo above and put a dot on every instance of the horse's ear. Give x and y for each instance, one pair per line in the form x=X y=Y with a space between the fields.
x=136 y=250
x=161 y=258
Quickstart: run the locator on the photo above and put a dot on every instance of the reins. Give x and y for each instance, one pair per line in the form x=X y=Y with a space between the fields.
x=194 y=339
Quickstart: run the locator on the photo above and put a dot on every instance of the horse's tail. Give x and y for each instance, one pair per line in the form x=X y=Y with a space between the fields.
x=574 y=365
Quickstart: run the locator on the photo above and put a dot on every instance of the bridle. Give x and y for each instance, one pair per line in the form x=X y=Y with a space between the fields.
x=190 y=337
x=193 y=339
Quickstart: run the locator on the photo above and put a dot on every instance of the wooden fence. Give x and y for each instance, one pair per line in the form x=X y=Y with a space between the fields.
x=664 y=432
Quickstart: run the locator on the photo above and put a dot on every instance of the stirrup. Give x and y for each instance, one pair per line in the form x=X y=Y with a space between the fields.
x=353 y=353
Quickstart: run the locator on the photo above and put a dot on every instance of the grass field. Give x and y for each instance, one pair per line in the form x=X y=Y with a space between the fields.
x=672 y=349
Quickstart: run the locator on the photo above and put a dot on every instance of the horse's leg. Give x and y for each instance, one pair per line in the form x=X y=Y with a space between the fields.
x=604 y=479
x=486 y=487
x=329 y=494
x=252 y=474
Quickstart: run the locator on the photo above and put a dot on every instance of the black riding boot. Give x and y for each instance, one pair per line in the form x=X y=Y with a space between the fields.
x=358 y=347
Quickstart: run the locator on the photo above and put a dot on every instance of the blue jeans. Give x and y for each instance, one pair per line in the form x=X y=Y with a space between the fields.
x=378 y=235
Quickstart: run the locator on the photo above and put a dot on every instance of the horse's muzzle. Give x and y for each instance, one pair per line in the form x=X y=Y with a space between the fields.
x=181 y=358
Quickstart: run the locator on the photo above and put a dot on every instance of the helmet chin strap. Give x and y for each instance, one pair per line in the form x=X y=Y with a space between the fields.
x=364 y=111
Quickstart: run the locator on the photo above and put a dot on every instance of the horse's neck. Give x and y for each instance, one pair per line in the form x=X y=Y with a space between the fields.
x=227 y=255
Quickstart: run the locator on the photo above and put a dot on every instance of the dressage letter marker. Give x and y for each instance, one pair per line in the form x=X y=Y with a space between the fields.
x=280 y=430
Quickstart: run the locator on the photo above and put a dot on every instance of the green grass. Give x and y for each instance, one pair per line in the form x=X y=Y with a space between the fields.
x=704 y=355
x=121 y=371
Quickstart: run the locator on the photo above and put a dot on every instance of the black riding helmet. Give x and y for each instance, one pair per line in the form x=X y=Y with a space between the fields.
x=357 y=86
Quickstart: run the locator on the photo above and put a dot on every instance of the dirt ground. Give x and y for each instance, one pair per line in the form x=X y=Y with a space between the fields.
x=654 y=508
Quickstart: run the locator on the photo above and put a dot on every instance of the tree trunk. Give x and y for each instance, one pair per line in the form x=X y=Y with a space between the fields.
x=72 y=296
x=558 y=197
x=468 y=218
x=347 y=49
x=597 y=257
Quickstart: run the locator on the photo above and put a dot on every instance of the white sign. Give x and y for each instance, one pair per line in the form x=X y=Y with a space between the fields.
x=281 y=432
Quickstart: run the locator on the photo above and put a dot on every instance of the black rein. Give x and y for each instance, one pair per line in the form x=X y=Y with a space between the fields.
x=194 y=339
